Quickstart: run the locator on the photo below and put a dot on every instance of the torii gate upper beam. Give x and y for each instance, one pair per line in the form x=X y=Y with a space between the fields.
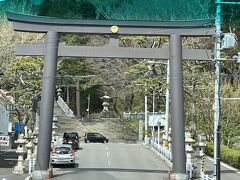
x=28 y=23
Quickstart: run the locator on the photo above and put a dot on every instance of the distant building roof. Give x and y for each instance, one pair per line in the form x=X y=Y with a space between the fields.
x=3 y=95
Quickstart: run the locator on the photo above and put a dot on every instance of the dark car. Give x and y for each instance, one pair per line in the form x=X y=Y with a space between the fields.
x=71 y=138
x=95 y=137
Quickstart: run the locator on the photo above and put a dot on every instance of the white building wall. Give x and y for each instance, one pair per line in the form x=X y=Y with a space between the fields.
x=4 y=119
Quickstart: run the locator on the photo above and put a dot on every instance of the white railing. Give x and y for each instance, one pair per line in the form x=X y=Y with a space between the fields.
x=167 y=154
x=31 y=165
x=206 y=177
x=65 y=107
x=189 y=170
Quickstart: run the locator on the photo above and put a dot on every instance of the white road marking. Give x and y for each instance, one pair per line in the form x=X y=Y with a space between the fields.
x=10 y=159
x=11 y=162
x=5 y=151
x=107 y=153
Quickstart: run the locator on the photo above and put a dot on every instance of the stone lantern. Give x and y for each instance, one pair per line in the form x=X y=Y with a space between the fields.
x=25 y=131
x=199 y=148
x=35 y=141
x=191 y=161
x=20 y=168
x=105 y=112
x=54 y=127
x=169 y=140
x=59 y=91
x=29 y=146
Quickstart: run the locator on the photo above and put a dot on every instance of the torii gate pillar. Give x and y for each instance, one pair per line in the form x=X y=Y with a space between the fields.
x=47 y=106
x=177 y=107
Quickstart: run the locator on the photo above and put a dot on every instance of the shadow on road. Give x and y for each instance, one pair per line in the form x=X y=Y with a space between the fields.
x=103 y=173
x=123 y=170
x=8 y=159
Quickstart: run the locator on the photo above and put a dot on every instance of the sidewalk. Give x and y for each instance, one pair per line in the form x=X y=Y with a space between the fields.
x=8 y=159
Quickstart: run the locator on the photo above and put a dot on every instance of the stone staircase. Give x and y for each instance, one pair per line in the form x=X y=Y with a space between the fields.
x=114 y=129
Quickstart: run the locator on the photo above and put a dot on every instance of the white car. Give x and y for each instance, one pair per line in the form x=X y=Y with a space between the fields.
x=63 y=154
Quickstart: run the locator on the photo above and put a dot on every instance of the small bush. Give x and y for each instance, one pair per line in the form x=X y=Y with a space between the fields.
x=228 y=155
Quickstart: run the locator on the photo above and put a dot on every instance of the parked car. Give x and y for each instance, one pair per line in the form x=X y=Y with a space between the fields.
x=71 y=138
x=63 y=154
x=95 y=137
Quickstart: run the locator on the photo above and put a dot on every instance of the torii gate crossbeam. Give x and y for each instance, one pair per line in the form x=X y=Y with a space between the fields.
x=52 y=49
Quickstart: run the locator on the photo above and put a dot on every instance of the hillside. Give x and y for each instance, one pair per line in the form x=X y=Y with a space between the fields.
x=115 y=130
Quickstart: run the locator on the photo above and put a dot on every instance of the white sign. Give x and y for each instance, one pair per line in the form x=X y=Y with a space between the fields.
x=4 y=140
x=154 y=120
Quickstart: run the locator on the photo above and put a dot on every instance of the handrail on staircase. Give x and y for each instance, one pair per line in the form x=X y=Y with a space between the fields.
x=65 y=107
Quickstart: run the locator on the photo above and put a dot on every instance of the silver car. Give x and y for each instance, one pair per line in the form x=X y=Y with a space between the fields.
x=63 y=154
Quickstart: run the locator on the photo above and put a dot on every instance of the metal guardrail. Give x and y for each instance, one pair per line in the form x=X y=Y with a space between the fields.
x=65 y=107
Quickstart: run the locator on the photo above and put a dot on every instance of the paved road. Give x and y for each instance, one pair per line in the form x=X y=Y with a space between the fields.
x=8 y=159
x=114 y=161
x=227 y=172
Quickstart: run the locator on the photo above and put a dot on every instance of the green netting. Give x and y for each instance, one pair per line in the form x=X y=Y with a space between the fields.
x=157 y=10
x=114 y=9
x=154 y=9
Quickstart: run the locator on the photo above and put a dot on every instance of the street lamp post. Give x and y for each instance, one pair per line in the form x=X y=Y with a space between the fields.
x=146 y=120
x=88 y=109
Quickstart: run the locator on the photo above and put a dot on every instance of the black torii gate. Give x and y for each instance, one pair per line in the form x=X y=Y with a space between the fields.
x=51 y=49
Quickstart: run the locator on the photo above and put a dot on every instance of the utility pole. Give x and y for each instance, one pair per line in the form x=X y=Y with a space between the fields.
x=217 y=107
x=217 y=54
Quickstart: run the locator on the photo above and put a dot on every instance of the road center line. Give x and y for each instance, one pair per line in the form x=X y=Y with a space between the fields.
x=108 y=162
